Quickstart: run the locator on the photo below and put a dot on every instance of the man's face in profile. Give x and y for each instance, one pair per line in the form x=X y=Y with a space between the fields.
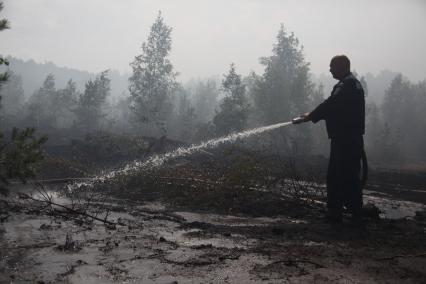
x=333 y=69
x=337 y=69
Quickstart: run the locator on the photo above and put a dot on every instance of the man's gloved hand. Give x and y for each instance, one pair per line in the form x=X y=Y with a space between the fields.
x=302 y=118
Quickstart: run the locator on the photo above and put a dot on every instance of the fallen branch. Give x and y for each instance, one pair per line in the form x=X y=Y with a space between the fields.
x=69 y=210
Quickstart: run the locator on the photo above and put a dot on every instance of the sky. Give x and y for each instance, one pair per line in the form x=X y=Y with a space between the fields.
x=209 y=35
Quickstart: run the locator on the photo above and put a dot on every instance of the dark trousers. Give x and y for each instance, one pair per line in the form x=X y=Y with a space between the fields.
x=343 y=176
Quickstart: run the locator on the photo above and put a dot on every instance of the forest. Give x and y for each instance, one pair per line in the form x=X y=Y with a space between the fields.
x=112 y=177
x=204 y=108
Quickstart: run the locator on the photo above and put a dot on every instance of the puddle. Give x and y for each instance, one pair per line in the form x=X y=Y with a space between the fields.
x=188 y=238
x=155 y=206
x=394 y=209
x=234 y=221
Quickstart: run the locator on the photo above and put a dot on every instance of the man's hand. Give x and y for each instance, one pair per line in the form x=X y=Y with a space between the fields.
x=302 y=118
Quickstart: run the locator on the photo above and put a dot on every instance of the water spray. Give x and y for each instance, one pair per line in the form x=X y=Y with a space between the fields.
x=158 y=160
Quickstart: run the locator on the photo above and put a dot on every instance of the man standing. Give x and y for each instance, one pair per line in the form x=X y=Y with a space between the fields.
x=344 y=114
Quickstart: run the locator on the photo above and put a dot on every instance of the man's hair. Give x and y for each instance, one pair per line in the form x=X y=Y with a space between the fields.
x=343 y=61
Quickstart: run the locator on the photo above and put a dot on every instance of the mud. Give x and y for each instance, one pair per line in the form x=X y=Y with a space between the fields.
x=155 y=243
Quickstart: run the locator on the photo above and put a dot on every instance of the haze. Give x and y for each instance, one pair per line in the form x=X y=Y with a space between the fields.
x=208 y=35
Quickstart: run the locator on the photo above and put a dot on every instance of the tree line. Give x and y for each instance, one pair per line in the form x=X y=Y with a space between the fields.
x=159 y=105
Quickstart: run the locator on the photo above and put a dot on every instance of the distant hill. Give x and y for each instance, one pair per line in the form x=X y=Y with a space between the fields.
x=33 y=74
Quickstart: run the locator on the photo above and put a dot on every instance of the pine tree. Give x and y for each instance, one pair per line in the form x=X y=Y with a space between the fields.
x=185 y=117
x=65 y=103
x=21 y=153
x=41 y=112
x=374 y=129
x=284 y=90
x=12 y=97
x=89 y=106
x=153 y=80
x=403 y=110
x=19 y=156
x=205 y=100
x=233 y=113
x=394 y=101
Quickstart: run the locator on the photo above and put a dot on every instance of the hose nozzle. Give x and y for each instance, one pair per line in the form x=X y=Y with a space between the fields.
x=298 y=120
x=302 y=118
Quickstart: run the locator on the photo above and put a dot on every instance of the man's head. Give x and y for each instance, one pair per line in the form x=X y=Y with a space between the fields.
x=340 y=66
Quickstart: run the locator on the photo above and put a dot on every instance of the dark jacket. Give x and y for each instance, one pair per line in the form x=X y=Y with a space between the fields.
x=344 y=110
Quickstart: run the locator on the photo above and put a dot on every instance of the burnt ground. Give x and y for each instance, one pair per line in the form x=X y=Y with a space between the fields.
x=156 y=242
x=204 y=221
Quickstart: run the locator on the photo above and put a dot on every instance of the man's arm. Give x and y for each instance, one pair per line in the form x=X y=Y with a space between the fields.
x=330 y=105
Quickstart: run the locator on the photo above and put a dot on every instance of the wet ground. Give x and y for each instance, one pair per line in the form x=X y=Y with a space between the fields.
x=154 y=243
